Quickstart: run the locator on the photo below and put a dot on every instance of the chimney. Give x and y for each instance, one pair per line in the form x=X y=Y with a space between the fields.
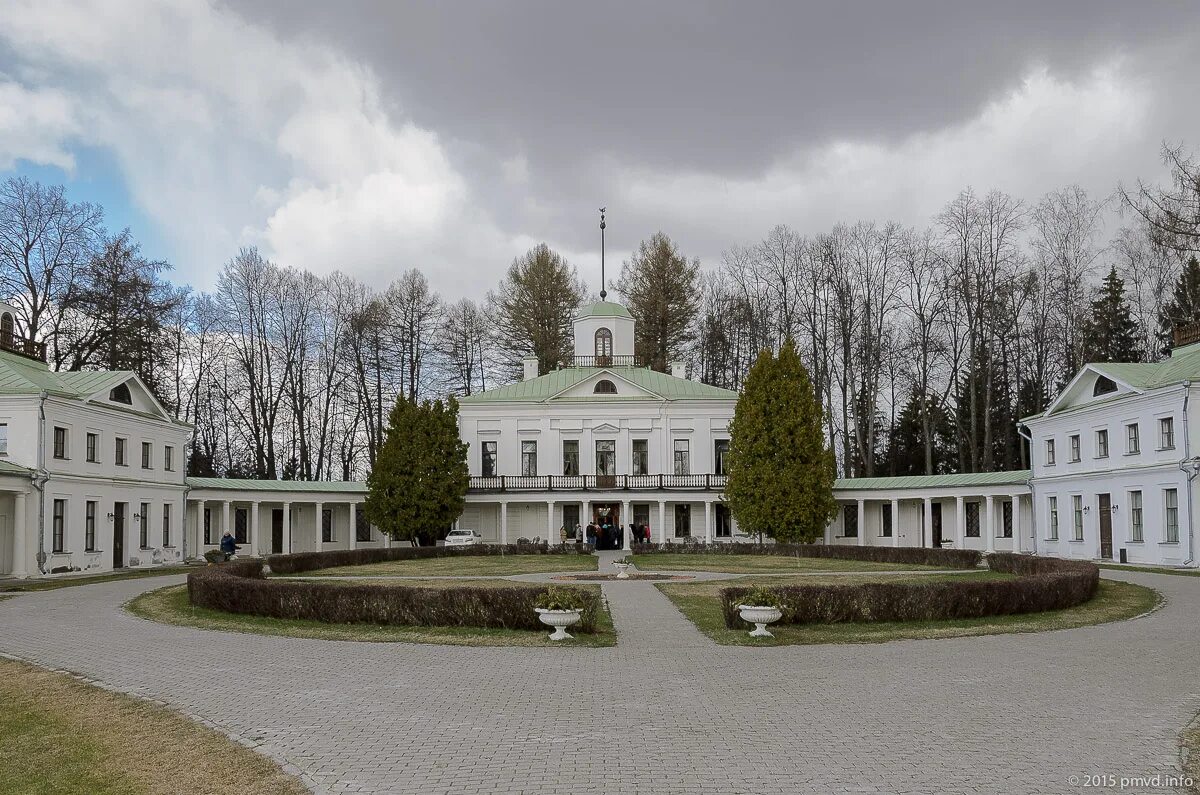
x=678 y=369
x=531 y=367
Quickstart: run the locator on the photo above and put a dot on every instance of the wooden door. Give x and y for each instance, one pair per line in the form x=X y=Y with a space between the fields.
x=118 y=535
x=277 y=531
x=1105 y=526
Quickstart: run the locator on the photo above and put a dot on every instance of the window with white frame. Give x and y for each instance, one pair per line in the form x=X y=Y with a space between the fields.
x=529 y=458
x=147 y=452
x=487 y=463
x=119 y=451
x=93 y=447
x=1077 y=511
x=641 y=457
x=1133 y=439
x=166 y=525
x=1074 y=440
x=144 y=525
x=59 y=525
x=3 y=438
x=1049 y=452
x=1136 y=528
x=1171 y=514
x=89 y=526
x=1053 y=523
x=1166 y=433
x=1102 y=443
x=168 y=458
x=60 y=442
x=683 y=458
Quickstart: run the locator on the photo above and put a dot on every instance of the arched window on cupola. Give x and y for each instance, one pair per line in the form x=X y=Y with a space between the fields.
x=604 y=346
x=7 y=330
x=605 y=387
x=1103 y=386
x=120 y=394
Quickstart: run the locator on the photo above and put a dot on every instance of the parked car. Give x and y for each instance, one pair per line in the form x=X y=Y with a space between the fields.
x=461 y=537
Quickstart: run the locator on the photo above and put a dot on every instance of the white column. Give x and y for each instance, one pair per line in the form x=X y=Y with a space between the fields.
x=353 y=532
x=552 y=535
x=504 y=523
x=20 y=531
x=960 y=520
x=583 y=520
x=829 y=526
x=224 y=519
x=989 y=533
x=254 y=547
x=1016 y=524
x=626 y=533
x=862 y=522
x=895 y=523
x=662 y=521
x=927 y=522
x=708 y=529
x=287 y=528
x=319 y=525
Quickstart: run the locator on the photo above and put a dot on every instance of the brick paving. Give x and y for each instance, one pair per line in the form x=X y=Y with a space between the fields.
x=665 y=711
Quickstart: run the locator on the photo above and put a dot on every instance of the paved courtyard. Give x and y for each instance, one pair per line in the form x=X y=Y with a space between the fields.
x=666 y=711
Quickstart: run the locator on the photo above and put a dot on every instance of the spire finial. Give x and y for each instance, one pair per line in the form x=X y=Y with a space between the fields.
x=603 y=292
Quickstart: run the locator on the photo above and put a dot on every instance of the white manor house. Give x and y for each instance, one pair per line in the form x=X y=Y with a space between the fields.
x=92 y=468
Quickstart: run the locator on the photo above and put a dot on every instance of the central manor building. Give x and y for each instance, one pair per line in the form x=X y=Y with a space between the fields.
x=91 y=468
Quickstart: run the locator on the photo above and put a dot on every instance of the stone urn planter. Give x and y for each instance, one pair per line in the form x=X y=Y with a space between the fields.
x=622 y=565
x=760 y=616
x=560 y=620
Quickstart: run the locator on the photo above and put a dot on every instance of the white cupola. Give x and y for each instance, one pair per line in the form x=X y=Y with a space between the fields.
x=603 y=334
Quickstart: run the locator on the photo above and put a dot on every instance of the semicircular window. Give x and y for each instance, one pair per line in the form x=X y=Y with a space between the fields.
x=1103 y=386
x=120 y=394
x=605 y=387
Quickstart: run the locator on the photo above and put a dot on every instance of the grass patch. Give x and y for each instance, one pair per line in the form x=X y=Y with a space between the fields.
x=1151 y=570
x=476 y=565
x=766 y=564
x=69 y=581
x=170 y=606
x=701 y=603
x=64 y=737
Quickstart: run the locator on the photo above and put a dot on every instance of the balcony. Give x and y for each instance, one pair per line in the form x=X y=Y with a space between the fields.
x=22 y=346
x=518 y=483
x=602 y=361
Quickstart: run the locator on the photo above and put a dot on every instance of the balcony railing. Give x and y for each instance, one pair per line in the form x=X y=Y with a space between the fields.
x=505 y=483
x=23 y=346
x=602 y=361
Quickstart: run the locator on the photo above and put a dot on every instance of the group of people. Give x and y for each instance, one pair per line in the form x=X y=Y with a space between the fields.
x=606 y=535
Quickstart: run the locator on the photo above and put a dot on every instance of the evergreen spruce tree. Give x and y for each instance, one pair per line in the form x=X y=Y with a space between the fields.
x=780 y=471
x=418 y=484
x=660 y=287
x=1184 y=306
x=1111 y=333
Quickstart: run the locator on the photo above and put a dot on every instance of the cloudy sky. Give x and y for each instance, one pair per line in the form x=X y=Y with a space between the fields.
x=376 y=136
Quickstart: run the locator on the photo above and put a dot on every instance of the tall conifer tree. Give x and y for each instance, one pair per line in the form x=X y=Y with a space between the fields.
x=418 y=485
x=780 y=471
x=1184 y=306
x=1111 y=333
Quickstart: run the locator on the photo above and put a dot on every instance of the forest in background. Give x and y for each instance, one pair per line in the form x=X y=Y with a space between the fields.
x=925 y=345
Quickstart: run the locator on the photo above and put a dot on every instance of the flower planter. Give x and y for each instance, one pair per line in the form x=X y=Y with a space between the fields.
x=622 y=573
x=560 y=620
x=759 y=616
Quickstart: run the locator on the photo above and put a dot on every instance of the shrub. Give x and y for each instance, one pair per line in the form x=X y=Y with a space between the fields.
x=214 y=556
x=761 y=596
x=309 y=561
x=942 y=558
x=239 y=587
x=1041 y=584
x=557 y=597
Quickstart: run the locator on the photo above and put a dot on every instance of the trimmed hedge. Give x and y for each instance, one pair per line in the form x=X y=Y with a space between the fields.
x=1041 y=584
x=299 y=562
x=942 y=558
x=239 y=587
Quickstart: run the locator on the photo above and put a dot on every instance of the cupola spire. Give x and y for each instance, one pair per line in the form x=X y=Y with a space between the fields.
x=603 y=292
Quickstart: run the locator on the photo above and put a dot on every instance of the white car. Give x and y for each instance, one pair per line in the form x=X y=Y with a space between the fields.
x=459 y=538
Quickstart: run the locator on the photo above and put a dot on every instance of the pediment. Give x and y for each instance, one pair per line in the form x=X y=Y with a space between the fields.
x=1091 y=385
x=606 y=385
x=605 y=427
x=130 y=394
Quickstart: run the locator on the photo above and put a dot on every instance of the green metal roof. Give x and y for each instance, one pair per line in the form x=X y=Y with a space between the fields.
x=9 y=468
x=1184 y=365
x=21 y=376
x=240 y=484
x=1016 y=477
x=545 y=387
x=602 y=309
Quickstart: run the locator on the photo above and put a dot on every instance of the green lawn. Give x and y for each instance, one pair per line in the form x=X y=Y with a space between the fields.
x=700 y=602
x=92 y=579
x=754 y=564
x=466 y=565
x=171 y=606
x=59 y=736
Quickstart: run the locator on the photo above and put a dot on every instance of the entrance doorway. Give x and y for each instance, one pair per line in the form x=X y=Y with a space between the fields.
x=1105 y=526
x=606 y=517
x=119 y=535
x=936 y=523
x=277 y=531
